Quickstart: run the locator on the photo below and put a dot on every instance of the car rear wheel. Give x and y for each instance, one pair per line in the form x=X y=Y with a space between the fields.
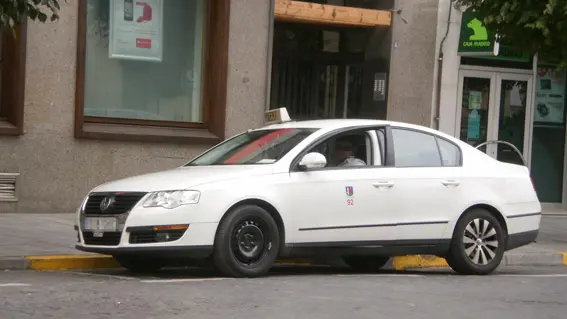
x=247 y=242
x=366 y=263
x=139 y=264
x=478 y=243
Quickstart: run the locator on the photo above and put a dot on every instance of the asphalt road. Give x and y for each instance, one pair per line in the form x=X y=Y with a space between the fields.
x=287 y=293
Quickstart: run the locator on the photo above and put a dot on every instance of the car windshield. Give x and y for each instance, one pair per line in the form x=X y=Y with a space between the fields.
x=254 y=147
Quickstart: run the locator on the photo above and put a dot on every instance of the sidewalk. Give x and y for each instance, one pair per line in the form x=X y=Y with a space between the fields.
x=43 y=235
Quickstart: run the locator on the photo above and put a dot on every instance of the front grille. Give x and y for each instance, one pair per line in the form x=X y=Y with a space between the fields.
x=107 y=239
x=146 y=237
x=122 y=203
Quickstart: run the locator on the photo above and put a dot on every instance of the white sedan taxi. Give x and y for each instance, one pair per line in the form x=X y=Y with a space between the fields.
x=363 y=190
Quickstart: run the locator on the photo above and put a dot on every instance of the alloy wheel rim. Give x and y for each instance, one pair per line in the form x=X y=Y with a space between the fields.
x=480 y=241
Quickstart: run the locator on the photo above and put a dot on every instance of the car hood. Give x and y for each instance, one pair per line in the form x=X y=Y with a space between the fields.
x=182 y=178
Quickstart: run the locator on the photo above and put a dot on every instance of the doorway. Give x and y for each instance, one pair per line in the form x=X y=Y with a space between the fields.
x=328 y=86
x=496 y=105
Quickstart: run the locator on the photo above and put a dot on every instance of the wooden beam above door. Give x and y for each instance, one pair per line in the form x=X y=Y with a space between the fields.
x=314 y=13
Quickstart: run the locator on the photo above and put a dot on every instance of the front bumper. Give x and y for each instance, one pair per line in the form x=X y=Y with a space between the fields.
x=140 y=230
x=170 y=252
x=194 y=242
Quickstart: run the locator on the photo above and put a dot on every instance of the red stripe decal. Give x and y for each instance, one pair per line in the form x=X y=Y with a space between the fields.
x=252 y=147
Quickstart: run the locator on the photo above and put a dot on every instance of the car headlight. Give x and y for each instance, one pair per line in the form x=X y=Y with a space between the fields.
x=172 y=199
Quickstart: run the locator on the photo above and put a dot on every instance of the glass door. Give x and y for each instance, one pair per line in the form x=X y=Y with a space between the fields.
x=514 y=111
x=496 y=106
x=475 y=107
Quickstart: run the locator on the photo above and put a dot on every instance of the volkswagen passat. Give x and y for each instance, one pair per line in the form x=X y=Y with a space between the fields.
x=364 y=190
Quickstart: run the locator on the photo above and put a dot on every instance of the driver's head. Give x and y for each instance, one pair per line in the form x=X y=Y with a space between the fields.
x=344 y=147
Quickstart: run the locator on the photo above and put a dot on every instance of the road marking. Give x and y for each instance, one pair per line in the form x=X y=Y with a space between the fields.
x=102 y=275
x=380 y=275
x=538 y=276
x=155 y=281
x=14 y=284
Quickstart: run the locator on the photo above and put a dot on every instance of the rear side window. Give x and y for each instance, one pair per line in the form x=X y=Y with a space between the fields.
x=450 y=153
x=415 y=149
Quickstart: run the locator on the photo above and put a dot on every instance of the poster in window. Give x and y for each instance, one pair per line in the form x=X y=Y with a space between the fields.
x=475 y=100
x=136 y=30
x=549 y=101
x=473 y=125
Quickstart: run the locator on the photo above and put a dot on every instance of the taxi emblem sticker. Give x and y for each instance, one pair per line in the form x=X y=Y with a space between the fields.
x=349 y=190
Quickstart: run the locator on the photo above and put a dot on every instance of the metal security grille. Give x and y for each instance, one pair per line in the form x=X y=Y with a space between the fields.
x=295 y=85
x=8 y=184
x=310 y=89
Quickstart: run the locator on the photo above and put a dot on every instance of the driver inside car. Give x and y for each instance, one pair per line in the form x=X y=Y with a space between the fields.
x=345 y=147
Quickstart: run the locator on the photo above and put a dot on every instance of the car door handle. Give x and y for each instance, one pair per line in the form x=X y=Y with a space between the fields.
x=450 y=183
x=383 y=184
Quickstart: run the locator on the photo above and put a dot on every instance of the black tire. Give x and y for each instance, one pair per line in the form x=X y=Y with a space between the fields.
x=140 y=264
x=366 y=263
x=245 y=230
x=464 y=263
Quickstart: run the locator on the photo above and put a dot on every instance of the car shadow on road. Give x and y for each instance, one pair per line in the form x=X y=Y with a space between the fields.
x=280 y=271
x=277 y=271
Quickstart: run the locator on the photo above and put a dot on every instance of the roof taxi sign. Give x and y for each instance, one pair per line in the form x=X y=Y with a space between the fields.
x=276 y=116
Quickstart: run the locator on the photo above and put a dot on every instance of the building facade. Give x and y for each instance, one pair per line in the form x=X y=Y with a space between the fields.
x=378 y=61
x=89 y=98
x=80 y=106
x=510 y=97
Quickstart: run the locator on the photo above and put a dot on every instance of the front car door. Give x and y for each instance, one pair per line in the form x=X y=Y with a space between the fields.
x=340 y=205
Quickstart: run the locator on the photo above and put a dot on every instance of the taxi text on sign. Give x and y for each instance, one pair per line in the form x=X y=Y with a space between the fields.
x=276 y=116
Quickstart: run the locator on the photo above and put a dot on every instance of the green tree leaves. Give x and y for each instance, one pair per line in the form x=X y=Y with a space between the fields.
x=533 y=26
x=12 y=11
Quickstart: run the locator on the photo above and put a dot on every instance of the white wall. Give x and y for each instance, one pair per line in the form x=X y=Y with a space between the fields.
x=451 y=62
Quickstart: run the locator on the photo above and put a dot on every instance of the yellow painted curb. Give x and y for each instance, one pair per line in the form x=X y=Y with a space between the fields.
x=68 y=262
x=418 y=261
x=564 y=258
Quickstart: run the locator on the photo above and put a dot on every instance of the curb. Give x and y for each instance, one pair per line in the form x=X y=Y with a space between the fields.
x=58 y=262
x=96 y=261
x=68 y=262
x=528 y=259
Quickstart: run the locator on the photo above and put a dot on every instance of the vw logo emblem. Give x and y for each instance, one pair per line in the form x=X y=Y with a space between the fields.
x=106 y=203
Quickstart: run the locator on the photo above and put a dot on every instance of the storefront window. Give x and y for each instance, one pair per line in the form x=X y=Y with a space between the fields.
x=474 y=113
x=548 y=143
x=144 y=60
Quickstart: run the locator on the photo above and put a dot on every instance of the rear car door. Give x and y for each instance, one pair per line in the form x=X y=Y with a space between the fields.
x=426 y=182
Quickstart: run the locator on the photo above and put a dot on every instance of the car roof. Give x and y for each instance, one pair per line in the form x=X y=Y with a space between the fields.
x=332 y=124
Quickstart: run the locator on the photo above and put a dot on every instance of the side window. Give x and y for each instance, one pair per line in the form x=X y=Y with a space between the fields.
x=450 y=153
x=346 y=150
x=415 y=149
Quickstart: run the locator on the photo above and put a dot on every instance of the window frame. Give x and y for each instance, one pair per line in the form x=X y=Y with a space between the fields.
x=436 y=137
x=13 y=82
x=387 y=158
x=214 y=91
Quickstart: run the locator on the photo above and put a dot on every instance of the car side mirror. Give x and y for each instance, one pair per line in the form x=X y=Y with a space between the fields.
x=312 y=160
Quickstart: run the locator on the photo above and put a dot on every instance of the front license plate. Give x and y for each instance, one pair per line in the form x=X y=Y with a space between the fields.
x=100 y=224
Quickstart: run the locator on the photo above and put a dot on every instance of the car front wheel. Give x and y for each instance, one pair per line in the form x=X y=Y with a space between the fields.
x=247 y=242
x=478 y=244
